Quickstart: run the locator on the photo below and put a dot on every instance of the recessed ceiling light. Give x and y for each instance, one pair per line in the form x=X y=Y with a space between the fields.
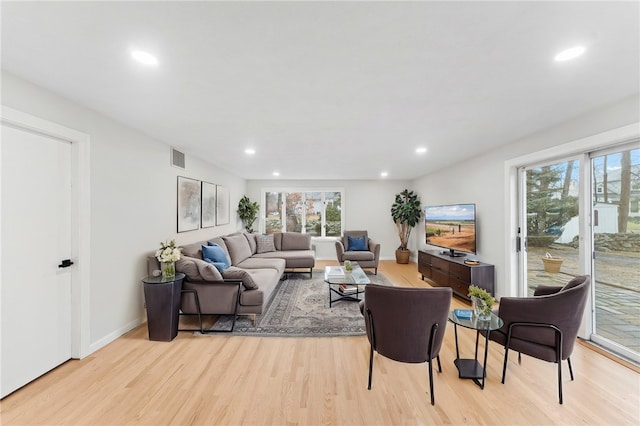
x=144 y=57
x=384 y=174
x=276 y=173
x=421 y=150
x=250 y=151
x=568 y=54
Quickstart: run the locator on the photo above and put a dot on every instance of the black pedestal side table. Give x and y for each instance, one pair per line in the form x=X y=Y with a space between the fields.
x=471 y=368
x=162 y=297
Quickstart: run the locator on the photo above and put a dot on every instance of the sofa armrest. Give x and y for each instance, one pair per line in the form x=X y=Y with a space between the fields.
x=153 y=265
x=339 y=250
x=375 y=248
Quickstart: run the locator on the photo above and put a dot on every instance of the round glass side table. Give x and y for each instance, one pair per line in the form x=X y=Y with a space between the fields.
x=471 y=368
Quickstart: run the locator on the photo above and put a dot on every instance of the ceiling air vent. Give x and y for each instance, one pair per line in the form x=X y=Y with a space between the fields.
x=177 y=158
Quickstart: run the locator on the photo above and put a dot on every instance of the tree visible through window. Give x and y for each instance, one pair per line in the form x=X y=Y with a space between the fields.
x=318 y=213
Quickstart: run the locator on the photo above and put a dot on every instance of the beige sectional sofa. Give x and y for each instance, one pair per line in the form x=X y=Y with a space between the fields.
x=258 y=263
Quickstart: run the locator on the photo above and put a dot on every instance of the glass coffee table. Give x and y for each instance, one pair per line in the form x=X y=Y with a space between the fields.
x=347 y=286
x=471 y=368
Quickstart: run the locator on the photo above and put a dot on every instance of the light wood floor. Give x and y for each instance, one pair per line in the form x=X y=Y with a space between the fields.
x=308 y=381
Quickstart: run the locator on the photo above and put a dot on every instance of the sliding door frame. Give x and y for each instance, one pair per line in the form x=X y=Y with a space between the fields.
x=513 y=187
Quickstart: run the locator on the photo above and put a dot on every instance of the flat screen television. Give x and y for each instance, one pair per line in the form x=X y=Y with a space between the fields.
x=452 y=227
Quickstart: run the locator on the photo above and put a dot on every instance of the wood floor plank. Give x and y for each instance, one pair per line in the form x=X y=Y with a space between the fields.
x=204 y=380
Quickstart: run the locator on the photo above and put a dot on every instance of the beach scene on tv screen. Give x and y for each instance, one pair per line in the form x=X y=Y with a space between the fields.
x=451 y=226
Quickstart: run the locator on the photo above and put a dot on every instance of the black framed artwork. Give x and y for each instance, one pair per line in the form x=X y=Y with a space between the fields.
x=189 y=199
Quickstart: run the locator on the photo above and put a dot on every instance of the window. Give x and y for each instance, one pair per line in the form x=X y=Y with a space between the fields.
x=273 y=212
x=313 y=212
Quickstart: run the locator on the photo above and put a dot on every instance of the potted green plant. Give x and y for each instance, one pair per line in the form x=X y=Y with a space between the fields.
x=406 y=213
x=482 y=302
x=248 y=212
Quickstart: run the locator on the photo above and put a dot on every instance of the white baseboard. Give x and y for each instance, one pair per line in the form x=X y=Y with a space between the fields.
x=114 y=335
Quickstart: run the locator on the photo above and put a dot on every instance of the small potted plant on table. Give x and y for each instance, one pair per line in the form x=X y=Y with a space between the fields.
x=482 y=302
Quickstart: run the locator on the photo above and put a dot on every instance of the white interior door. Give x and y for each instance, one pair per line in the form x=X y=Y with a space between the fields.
x=36 y=237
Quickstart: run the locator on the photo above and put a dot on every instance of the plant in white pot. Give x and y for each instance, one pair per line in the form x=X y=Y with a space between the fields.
x=248 y=212
x=406 y=212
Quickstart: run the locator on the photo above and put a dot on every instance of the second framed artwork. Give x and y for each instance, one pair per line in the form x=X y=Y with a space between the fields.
x=208 y=205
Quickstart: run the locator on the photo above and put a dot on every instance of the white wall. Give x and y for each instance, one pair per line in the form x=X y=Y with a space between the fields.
x=367 y=205
x=481 y=180
x=133 y=203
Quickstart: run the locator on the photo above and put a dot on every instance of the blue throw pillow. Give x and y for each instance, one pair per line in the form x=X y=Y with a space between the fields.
x=357 y=243
x=213 y=254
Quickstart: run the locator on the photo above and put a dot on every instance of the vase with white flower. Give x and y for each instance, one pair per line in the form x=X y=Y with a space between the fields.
x=167 y=255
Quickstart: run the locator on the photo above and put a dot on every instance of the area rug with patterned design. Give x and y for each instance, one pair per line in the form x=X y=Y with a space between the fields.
x=300 y=308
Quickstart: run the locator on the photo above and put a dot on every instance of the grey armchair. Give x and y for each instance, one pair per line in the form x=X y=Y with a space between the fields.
x=544 y=326
x=366 y=258
x=406 y=324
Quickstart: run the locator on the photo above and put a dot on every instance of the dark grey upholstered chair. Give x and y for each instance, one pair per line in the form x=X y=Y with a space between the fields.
x=406 y=324
x=365 y=258
x=544 y=326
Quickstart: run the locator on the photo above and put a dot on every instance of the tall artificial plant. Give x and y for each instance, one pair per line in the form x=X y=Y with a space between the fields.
x=406 y=213
x=248 y=212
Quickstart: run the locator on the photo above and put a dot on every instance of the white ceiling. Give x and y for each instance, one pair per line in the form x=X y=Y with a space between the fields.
x=329 y=90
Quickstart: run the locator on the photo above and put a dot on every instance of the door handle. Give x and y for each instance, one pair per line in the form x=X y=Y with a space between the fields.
x=65 y=263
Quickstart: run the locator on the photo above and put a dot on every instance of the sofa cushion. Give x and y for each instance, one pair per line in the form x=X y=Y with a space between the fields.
x=220 y=266
x=215 y=255
x=295 y=241
x=192 y=250
x=265 y=243
x=262 y=261
x=238 y=247
x=251 y=238
x=197 y=269
x=357 y=243
x=291 y=258
x=358 y=256
x=240 y=274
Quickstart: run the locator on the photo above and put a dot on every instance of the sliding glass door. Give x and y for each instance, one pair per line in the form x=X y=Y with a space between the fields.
x=615 y=195
x=589 y=202
x=551 y=229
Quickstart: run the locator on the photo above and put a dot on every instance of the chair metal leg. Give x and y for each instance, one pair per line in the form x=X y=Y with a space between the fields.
x=558 y=347
x=560 y=381
x=519 y=358
x=570 y=369
x=432 y=337
x=370 y=366
x=439 y=365
x=372 y=342
x=433 y=401
x=559 y=359
x=504 y=366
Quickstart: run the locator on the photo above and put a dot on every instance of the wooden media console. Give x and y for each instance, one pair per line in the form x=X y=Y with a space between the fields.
x=446 y=271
